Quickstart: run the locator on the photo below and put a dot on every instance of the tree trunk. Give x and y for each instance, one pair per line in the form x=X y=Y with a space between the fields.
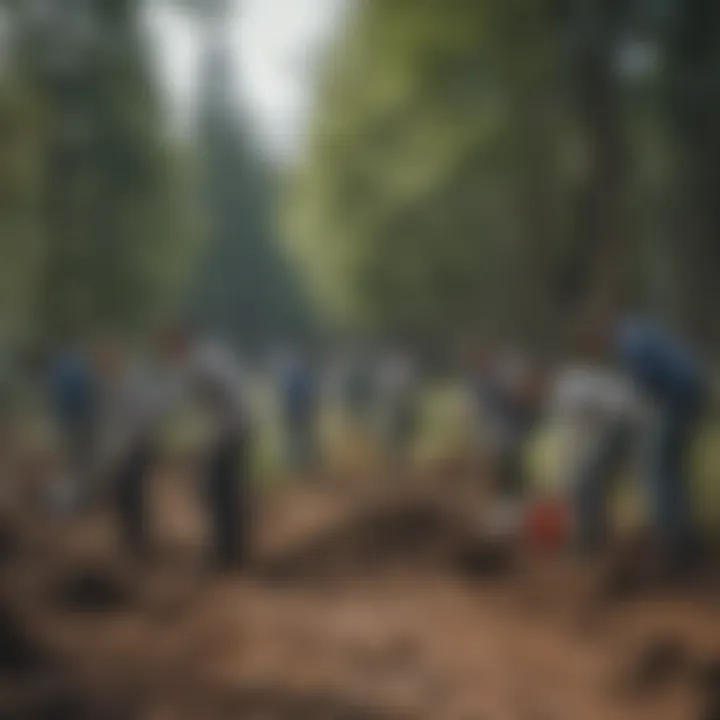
x=600 y=216
x=695 y=116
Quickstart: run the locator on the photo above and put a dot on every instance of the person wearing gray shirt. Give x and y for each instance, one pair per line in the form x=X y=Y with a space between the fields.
x=212 y=374
x=130 y=413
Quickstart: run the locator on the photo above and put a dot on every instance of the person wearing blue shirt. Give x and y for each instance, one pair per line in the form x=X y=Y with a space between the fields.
x=299 y=408
x=661 y=364
x=500 y=383
x=671 y=376
x=358 y=391
x=72 y=395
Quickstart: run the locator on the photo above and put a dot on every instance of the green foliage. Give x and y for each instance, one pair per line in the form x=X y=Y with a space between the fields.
x=472 y=162
x=434 y=119
x=20 y=190
x=95 y=183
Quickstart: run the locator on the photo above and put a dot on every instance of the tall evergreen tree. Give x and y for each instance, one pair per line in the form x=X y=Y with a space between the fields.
x=244 y=287
x=694 y=112
x=108 y=204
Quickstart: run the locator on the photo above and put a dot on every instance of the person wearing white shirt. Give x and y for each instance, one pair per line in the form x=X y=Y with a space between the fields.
x=601 y=417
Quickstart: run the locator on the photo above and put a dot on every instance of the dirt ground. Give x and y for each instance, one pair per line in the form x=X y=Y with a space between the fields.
x=365 y=601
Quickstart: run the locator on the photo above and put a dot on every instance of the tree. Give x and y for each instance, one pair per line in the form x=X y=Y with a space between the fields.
x=109 y=198
x=431 y=193
x=693 y=42
x=244 y=287
x=474 y=161
x=20 y=193
x=596 y=28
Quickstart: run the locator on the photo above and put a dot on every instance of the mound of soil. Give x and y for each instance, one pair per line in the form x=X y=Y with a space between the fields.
x=408 y=534
x=632 y=571
x=709 y=686
x=622 y=582
x=660 y=661
x=638 y=569
x=9 y=540
x=20 y=653
x=65 y=702
x=65 y=705
x=92 y=590
x=709 y=676
x=486 y=560
x=270 y=703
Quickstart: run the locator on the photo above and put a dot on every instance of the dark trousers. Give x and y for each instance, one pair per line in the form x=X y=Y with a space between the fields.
x=300 y=440
x=594 y=484
x=79 y=441
x=131 y=488
x=667 y=481
x=228 y=499
x=509 y=473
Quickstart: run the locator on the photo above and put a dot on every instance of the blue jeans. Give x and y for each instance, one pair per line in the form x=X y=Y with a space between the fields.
x=666 y=485
x=131 y=488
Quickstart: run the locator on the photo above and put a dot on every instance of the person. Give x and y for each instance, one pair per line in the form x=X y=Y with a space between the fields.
x=10 y=405
x=351 y=390
x=357 y=390
x=668 y=373
x=213 y=376
x=601 y=421
x=502 y=390
x=73 y=400
x=299 y=411
x=398 y=391
x=131 y=408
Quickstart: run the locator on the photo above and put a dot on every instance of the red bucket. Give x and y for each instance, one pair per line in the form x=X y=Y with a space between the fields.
x=548 y=525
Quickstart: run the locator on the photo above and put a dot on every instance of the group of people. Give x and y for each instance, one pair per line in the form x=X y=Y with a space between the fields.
x=379 y=396
x=631 y=390
x=631 y=386
x=109 y=409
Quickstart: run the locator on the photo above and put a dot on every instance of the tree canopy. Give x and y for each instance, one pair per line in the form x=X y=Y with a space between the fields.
x=477 y=162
